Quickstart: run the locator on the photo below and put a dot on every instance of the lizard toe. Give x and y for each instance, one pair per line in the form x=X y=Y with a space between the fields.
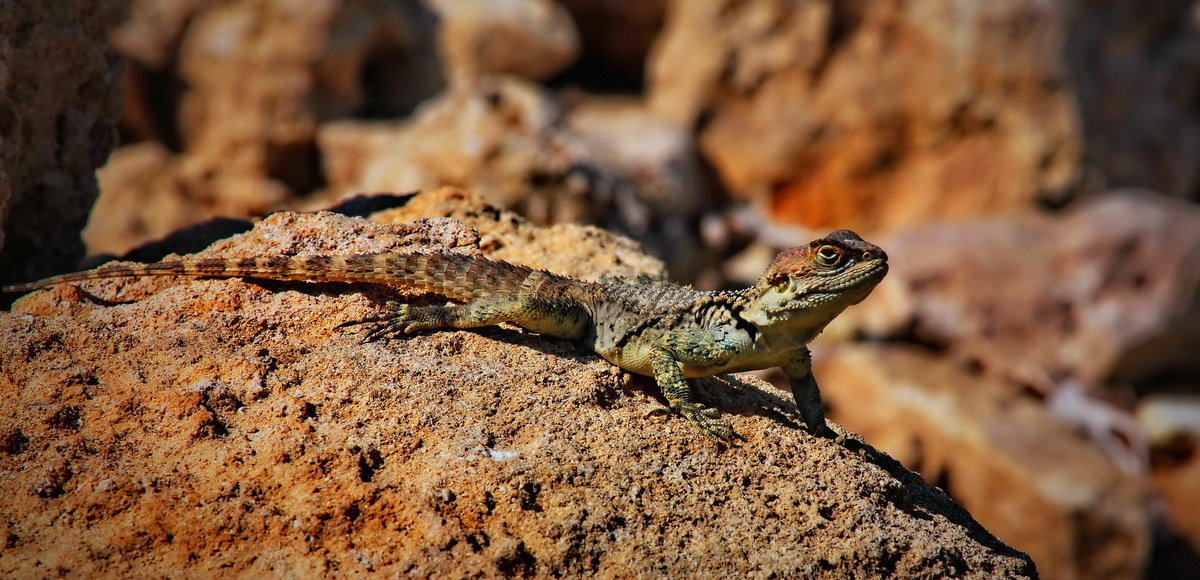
x=709 y=421
x=396 y=321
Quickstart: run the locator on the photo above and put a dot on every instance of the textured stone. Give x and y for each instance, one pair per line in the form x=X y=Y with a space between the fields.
x=1026 y=475
x=226 y=427
x=617 y=34
x=59 y=102
x=255 y=79
x=873 y=115
x=518 y=148
x=1041 y=301
x=1135 y=68
x=531 y=39
x=500 y=136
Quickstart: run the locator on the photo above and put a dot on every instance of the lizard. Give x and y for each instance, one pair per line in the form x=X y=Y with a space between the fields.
x=669 y=332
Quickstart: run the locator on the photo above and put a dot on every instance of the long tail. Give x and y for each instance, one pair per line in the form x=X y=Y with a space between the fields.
x=453 y=275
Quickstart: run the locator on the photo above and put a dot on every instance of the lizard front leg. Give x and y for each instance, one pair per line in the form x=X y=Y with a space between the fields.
x=806 y=393
x=694 y=347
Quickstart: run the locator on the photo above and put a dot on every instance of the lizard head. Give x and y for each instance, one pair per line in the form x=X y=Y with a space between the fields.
x=825 y=276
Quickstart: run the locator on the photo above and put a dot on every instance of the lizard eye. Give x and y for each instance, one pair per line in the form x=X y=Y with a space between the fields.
x=828 y=256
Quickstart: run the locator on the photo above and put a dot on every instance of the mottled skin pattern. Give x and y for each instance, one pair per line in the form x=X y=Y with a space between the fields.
x=669 y=332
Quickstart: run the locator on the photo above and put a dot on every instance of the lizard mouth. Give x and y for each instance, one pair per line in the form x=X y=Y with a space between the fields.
x=849 y=290
x=868 y=276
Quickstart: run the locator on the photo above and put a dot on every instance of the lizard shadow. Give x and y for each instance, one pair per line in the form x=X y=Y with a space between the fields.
x=730 y=394
x=915 y=496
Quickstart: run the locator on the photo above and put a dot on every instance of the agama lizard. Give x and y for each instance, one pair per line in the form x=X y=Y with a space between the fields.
x=669 y=332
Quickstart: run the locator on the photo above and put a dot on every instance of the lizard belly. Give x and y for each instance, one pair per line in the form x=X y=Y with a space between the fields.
x=634 y=357
x=749 y=361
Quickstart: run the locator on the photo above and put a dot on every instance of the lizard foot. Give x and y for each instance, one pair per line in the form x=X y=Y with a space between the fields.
x=825 y=431
x=398 y=320
x=708 y=420
x=828 y=433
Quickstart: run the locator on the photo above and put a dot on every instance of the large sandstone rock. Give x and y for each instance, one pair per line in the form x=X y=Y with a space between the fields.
x=255 y=79
x=617 y=34
x=1043 y=300
x=873 y=115
x=1028 y=476
x=1134 y=67
x=171 y=426
x=611 y=163
x=59 y=102
x=530 y=39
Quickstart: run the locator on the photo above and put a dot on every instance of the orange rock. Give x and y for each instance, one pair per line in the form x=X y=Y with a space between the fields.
x=868 y=115
x=226 y=427
x=59 y=103
x=1026 y=475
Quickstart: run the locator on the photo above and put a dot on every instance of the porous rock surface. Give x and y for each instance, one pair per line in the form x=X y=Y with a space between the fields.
x=59 y=105
x=227 y=97
x=515 y=145
x=1011 y=351
x=872 y=115
x=1112 y=274
x=160 y=426
x=1031 y=477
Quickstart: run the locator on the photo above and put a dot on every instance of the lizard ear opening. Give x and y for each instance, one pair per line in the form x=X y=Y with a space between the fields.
x=787 y=264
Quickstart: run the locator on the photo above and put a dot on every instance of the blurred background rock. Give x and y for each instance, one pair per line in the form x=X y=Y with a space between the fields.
x=1031 y=166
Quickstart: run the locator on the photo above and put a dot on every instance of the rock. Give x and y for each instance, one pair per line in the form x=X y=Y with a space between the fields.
x=255 y=80
x=871 y=116
x=59 y=103
x=617 y=35
x=225 y=426
x=1026 y=475
x=501 y=136
x=530 y=39
x=504 y=235
x=520 y=149
x=1040 y=301
x=146 y=197
x=1133 y=67
x=1172 y=426
x=258 y=82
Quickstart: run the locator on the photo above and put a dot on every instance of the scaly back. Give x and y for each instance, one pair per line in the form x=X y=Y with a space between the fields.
x=453 y=275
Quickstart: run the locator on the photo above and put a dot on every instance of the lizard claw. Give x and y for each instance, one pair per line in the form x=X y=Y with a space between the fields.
x=708 y=420
x=395 y=321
